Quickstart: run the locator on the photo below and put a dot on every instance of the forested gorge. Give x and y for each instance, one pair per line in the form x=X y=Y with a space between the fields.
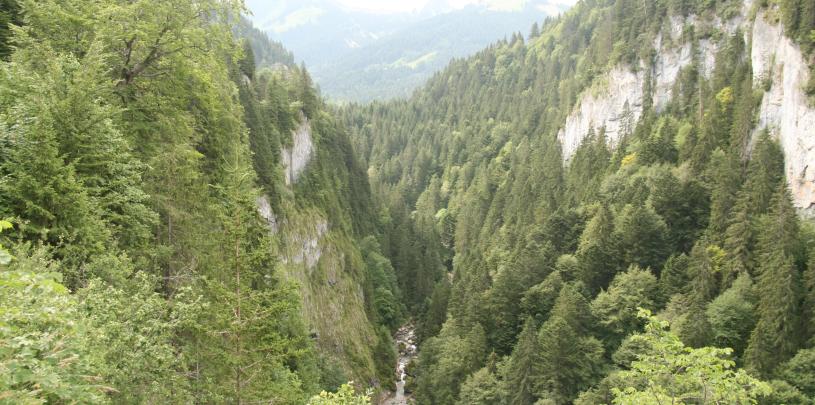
x=186 y=220
x=557 y=262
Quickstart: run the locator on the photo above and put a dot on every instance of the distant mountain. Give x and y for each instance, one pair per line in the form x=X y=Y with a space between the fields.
x=320 y=31
x=364 y=55
x=266 y=51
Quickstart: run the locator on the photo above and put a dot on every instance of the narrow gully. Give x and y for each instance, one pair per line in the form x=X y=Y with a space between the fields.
x=405 y=340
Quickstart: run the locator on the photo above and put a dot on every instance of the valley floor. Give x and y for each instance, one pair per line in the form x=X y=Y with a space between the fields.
x=406 y=344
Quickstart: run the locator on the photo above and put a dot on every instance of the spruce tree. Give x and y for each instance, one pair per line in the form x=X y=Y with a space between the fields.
x=9 y=14
x=568 y=362
x=534 y=31
x=598 y=251
x=520 y=379
x=642 y=235
x=726 y=178
x=54 y=196
x=674 y=277
x=694 y=327
x=809 y=299
x=778 y=334
x=739 y=240
x=764 y=174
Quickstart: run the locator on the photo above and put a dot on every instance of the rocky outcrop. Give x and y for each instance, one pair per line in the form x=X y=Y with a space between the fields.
x=615 y=106
x=785 y=110
x=296 y=158
x=333 y=302
x=266 y=212
x=303 y=242
x=615 y=101
x=306 y=247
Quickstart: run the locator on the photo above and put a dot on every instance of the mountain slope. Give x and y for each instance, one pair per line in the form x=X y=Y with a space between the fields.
x=318 y=206
x=359 y=55
x=181 y=227
x=631 y=155
x=397 y=63
x=188 y=222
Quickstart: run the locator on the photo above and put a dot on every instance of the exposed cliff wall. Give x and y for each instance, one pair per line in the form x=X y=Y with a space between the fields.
x=324 y=265
x=317 y=253
x=296 y=157
x=615 y=101
x=614 y=104
x=785 y=110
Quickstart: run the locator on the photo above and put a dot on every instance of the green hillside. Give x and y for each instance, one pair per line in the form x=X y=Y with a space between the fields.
x=137 y=140
x=684 y=213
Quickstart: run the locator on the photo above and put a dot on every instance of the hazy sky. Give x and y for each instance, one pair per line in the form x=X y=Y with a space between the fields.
x=283 y=15
x=397 y=6
x=406 y=6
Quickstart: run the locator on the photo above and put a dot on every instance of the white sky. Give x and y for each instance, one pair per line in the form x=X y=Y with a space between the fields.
x=401 y=6
x=406 y=6
x=274 y=10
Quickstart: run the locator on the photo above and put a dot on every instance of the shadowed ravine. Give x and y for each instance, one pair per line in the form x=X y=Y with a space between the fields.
x=405 y=343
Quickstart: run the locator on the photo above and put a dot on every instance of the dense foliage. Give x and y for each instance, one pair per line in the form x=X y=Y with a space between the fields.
x=139 y=139
x=135 y=141
x=688 y=215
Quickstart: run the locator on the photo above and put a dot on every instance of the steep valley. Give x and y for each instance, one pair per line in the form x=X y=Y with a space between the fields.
x=616 y=208
x=577 y=175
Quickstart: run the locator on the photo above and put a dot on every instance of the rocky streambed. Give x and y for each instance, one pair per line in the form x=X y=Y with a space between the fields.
x=405 y=340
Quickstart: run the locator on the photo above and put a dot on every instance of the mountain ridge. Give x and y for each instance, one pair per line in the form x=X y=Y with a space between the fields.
x=353 y=55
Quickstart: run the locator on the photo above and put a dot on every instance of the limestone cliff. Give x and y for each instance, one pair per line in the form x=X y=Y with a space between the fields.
x=616 y=99
x=785 y=110
x=297 y=156
x=324 y=262
x=333 y=304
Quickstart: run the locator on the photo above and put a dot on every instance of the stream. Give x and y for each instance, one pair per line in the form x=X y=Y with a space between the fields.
x=405 y=340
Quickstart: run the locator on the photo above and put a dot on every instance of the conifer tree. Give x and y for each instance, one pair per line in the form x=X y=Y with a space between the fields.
x=809 y=300
x=539 y=300
x=694 y=326
x=520 y=379
x=642 y=236
x=777 y=335
x=674 y=277
x=726 y=178
x=306 y=93
x=527 y=269
x=764 y=174
x=9 y=14
x=43 y=186
x=534 y=31
x=739 y=240
x=598 y=250
x=568 y=362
